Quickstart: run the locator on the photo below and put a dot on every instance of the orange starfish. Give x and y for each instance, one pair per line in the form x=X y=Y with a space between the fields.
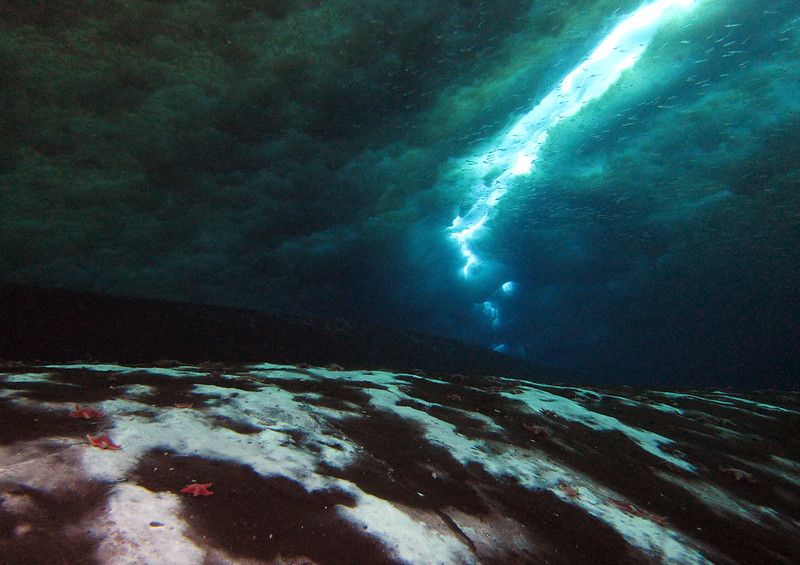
x=198 y=489
x=569 y=490
x=629 y=508
x=738 y=474
x=86 y=413
x=537 y=430
x=103 y=442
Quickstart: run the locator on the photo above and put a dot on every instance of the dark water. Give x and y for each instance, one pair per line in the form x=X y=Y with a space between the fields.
x=308 y=157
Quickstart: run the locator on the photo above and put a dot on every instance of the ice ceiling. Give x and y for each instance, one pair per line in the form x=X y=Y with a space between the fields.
x=623 y=174
x=516 y=149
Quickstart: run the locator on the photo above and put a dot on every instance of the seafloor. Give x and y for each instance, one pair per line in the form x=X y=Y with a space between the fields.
x=321 y=465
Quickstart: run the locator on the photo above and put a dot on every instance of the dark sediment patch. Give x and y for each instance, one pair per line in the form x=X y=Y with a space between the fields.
x=616 y=462
x=566 y=533
x=464 y=424
x=263 y=518
x=325 y=402
x=234 y=425
x=19 y=423
x=518 y=423
x=86 y=385
x=47 y=529
x=458 y=394
x=336 y=394
x=297 y=437
x=720 y=443
x=399 y=465
x=217 y=379
x=68 y=385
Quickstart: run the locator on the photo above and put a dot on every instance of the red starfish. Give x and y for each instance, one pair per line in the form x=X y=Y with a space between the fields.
x=86 y=413
x=738 y=474
x=569 y=490
x=626 y=507
x=629 y=508
x=197 y=489
x=537 y=430
x=103 y=442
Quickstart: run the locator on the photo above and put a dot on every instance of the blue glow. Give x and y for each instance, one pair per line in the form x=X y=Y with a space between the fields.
x=492 y=312
x=509 y=287
x=515 y=151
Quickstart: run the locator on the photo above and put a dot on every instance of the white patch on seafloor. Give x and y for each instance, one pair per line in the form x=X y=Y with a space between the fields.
x=727 y=433
x=770 y=407
x=270 y=366
x=392 y=384
x=275 y=410
x=99 y=367
x=193 y=432
x=123 y=369
x=266 y=407
x=377 y=377
x=32 y=378
x=18 y=399
x=538 y=400
x=122 y=529
x=639 y=404
x=40 y=465
x=138 y=390
x=794 y=466
x=727 y=404
x=784 y=469
x=126 y=537
x=671 y=546
x=410 y=540
x=426 y=379
x=666 y=408
x=435 y=430
x=622 y=399
x=281 y=374
x=720 y=501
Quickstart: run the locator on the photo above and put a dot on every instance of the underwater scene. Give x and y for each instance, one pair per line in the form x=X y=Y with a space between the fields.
x=399 y=281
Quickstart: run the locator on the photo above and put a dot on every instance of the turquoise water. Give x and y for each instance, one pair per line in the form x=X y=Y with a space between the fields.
x=607 y=186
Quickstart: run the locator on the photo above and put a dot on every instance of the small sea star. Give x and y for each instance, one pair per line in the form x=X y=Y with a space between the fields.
x=103 y=442
x=569 y=490
x=629 y=508
x=86 y=413
x=198 y=489
x=738 y=474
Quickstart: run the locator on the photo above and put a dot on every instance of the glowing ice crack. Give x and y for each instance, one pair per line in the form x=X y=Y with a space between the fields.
x=516 y=150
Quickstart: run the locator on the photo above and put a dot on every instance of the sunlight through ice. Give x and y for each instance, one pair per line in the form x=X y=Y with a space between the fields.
x=517 y=149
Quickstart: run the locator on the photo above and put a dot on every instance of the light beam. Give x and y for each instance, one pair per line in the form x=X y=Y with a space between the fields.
x=515 y=151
